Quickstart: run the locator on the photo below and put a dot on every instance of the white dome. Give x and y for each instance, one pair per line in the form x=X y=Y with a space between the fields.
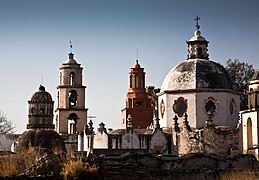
x=197 y=36
x=197 y=73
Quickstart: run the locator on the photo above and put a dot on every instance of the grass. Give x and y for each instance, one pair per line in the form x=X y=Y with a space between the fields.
x=73 y=165
x=76 y=166
x=240 y=175
x=13 y=164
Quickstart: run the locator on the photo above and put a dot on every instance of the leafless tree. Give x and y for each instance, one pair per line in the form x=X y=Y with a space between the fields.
x=6 y=126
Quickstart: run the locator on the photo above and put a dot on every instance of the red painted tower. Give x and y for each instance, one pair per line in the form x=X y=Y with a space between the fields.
x=137 y=103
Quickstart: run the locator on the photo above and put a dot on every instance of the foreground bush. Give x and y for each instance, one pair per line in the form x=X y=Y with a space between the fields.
x=78 y=167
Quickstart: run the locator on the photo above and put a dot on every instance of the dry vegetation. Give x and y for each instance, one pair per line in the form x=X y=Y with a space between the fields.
x=73 y=166
x=76 y=166
x=240 y=175
x=13 y=164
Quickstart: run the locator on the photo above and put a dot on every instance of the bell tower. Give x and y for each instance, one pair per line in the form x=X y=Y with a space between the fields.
x=137 y=103
x=71 y=114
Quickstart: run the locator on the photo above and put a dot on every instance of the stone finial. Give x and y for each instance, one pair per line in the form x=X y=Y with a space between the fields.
x=176 y=124
x=91 y=129
x=157 y=123
x=186 y=123
x=102 y=128
x=87 y=129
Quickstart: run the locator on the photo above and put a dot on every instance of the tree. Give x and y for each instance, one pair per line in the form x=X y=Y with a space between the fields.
x=5 y=125
x=241 y=73
x=151 y=92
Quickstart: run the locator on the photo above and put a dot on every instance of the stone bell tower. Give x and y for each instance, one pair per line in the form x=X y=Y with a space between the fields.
x=137 y=103
x=71 y=114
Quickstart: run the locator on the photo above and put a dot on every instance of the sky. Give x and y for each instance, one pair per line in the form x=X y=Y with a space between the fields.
x=105 y=35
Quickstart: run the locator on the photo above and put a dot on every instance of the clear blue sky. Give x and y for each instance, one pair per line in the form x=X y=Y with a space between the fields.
x=105 y=34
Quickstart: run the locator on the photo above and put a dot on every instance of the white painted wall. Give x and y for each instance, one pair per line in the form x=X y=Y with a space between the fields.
x=6 y=141
x=196 y=108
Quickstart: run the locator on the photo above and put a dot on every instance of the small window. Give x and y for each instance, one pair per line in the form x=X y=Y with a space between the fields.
x=136 y=82
x=33 y=110
x=210 y=106
x=130 y=81
x=42 y=110
x=199 y=52
x=72 y=79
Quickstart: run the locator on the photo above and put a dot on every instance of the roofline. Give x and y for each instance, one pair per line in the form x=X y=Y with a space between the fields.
x=197 y=90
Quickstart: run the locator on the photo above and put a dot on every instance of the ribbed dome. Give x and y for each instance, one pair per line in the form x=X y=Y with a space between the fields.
x=197 y=73
x=41 y=96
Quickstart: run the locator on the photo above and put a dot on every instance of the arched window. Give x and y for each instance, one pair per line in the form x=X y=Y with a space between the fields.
x=72 y=79
x=199 y=52
x=72 y=97
x=130 y=81
x=72 y=118
x=249 y=134
x=60 y=79
x=136 y=82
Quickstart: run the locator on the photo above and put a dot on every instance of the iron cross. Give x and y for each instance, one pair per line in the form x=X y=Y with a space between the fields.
x=197 y=18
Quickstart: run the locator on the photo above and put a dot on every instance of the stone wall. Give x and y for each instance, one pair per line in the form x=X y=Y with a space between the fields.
x=193 y=166
x=210 y=140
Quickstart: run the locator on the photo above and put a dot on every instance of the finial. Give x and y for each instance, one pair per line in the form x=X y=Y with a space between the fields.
x=136 y=61
x=137 y=53
x=70 y=46
x=197 y=18
x=42 y=79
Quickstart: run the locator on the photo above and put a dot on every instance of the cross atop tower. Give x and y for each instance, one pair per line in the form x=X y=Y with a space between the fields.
x=197 y=18
x=70 y=46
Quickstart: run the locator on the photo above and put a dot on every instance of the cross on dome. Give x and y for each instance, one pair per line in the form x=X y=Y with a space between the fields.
x=197 y=18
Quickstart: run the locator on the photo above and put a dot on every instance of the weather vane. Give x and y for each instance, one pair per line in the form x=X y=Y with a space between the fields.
x=197 y=18
x=137 y=53
x=70 y=46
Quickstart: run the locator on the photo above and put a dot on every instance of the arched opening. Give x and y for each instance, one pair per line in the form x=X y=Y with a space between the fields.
x=60 y=78
x=72 y=118
x=136 y=82
x=72 y=79
x=72 y=97
x=249 y=134
x=130 y=81
x=199 y=52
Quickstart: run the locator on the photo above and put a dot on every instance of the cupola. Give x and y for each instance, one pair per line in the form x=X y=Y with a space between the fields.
x=197 y=45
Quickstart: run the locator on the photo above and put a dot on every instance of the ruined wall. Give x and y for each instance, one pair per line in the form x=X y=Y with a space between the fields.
x=219 y=142
x=196 y=166
x=210 y=140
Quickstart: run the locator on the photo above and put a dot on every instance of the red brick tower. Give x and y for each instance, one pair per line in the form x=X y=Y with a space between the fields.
x=137 y=103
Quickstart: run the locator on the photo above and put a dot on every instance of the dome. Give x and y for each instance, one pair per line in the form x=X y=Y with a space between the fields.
x=70 y=59
x=41 y=96
x=197 y=37
x=195 y=74
x=45 y=138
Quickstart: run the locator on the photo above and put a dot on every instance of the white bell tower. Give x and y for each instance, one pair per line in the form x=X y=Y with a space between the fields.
x=71 y=114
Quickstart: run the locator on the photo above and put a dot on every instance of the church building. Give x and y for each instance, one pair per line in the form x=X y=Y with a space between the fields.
x=197 y=86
